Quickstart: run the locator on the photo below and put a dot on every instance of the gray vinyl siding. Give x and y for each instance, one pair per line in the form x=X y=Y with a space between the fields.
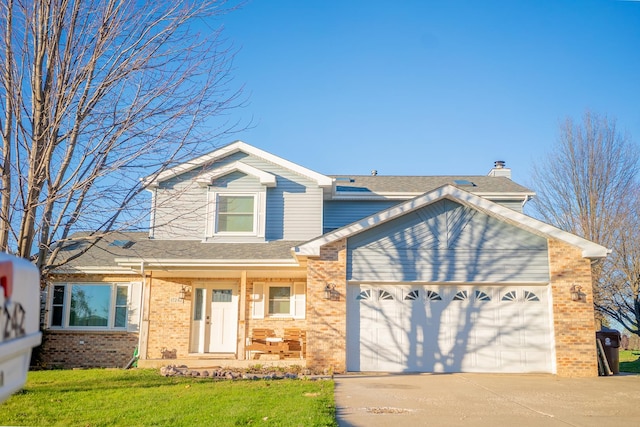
x=293 y=206
x=338 y=213
x=180 y=210
x=447 y=242
x=515 y=205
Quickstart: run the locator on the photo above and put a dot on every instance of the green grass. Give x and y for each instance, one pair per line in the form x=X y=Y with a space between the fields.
x=99 y=397
x=630 y=361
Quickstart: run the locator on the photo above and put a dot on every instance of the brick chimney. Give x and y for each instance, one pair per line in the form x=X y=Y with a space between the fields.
x=499 y=169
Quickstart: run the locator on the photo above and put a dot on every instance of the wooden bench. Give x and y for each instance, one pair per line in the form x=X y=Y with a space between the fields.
x=296 y=340
x=265 y=341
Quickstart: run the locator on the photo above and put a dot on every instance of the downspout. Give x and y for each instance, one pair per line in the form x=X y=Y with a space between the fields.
x=526 y=199
x=142 y=352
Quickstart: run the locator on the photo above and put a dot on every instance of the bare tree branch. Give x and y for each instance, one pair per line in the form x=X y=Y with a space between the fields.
x=587 y=185
x=97 y=94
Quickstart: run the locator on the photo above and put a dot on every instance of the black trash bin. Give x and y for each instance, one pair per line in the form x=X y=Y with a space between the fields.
x=611 y=339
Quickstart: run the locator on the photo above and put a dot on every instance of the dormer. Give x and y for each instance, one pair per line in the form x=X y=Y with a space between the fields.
x=237 y=193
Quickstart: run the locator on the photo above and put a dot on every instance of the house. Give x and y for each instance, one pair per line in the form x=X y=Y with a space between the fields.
x=375 y=273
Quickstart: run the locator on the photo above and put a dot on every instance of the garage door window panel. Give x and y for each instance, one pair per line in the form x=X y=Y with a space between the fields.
x=412 y=296
x=385 y=295
x=461 y=296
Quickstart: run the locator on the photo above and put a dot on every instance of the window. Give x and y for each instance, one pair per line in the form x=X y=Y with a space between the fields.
x=286 y=300
x=412 y=296
x=364 y=295
x=280 y=300
x=432 y=296
x=482 y=296
x=236 y=214
x=91 y=306
x=384 y=295
x=461 y=296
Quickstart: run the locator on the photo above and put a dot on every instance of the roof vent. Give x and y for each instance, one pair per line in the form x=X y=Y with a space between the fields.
x=374 y=172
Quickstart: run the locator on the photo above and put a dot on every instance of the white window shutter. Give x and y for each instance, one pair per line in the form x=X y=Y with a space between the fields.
x=210 y=217
x=134 y=307
x=257 y=301
x=261 y=201
x=299 y=300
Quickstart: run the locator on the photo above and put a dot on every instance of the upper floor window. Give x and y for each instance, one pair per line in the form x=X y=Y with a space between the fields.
x=84 y=305
x=236 y=213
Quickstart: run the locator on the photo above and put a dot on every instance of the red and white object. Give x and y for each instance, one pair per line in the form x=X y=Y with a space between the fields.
x=19 y=318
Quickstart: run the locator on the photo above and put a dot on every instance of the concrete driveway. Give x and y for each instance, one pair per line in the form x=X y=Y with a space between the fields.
x=486 y=400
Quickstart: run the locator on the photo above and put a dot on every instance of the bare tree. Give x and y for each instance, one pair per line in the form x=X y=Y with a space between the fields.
x=586 y=185
x=618 y=291
x=94 y=95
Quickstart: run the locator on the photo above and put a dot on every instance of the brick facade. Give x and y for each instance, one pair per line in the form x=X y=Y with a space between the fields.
x=327 y=319
x=573 y=321
x=277 y=324
x=169 y=319
x=82 y=349
x=86 y=349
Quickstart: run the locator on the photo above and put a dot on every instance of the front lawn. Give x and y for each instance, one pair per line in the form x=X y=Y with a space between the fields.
x=105 y=397
x=630 y=361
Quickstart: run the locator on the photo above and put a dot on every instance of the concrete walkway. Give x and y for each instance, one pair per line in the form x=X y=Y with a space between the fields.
x=486 y=400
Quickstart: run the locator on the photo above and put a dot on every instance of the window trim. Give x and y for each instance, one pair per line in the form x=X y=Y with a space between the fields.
x=254 y=221
x=297 y=298
x=267 y=295
x=66 y=306
x=259 y=216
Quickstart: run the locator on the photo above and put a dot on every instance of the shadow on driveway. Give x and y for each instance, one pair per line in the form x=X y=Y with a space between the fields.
x=486 y=400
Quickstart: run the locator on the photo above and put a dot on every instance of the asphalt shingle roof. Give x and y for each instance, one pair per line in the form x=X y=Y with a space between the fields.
x=424 y=184
x=104 y=253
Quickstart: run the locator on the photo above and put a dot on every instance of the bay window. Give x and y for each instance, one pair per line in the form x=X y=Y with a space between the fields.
x=89 y=306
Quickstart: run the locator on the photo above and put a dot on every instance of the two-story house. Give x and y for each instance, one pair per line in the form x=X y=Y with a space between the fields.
x=373 y=273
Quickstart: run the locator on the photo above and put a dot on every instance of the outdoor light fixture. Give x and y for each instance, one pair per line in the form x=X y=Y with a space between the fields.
x=184 y=293
x=330 y=292
x=576 y=293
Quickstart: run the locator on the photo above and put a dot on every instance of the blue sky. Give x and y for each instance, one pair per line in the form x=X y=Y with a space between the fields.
x=431 y=87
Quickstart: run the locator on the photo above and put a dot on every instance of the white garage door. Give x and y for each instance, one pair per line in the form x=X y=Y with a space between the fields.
x=403 y=328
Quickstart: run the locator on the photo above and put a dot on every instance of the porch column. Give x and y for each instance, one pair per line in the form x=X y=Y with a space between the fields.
x=143 y=343
x=242 y=335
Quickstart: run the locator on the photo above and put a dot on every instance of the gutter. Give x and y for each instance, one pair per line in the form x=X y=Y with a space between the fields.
x=209 y=263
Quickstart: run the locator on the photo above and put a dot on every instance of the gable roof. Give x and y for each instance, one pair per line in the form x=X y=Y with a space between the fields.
x=589 y=249
x=234 y=147
x=265 y=178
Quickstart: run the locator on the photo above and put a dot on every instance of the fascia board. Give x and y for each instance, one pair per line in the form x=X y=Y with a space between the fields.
x=353 y=195
x=266 y=178
x=589 y=249
x=321 y=180
x=94 y=270
x=504 y=196
x=177 y=263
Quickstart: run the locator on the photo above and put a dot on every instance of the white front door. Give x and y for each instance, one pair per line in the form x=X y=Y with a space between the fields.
x=214 y=327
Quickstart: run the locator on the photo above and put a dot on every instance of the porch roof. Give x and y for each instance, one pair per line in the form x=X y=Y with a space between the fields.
x=124 y=251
